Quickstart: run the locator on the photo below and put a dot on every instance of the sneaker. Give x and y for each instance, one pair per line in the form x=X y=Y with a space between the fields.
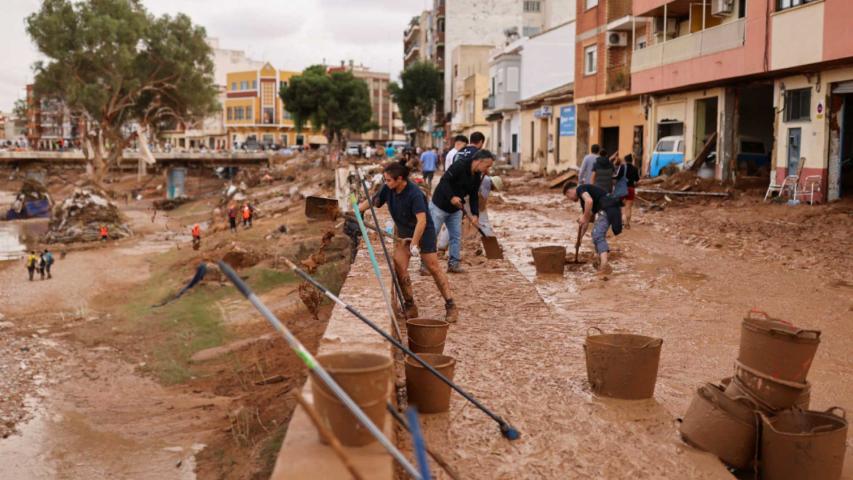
x=452 y=313
x=455 y=269
x=411 y=310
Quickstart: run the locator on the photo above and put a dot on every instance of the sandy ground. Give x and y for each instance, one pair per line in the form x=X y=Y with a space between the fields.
x=523 y=357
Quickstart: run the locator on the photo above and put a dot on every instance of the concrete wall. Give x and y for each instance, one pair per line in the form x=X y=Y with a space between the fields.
x=548 y=61
x=626 y=116
x=682 y=105
x=558 y=12
x=500 y=73
x=565 y=157
x=797 y=40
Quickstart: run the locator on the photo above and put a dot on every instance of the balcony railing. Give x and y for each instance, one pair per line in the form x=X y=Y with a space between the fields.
x=618 y=79
x=489 y=103
x=711 y=40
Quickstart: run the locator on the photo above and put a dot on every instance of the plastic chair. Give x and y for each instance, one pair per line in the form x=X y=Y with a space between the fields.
x=790 y=182
x=811 y=184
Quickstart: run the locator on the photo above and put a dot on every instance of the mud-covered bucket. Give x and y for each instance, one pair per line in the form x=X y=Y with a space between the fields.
x=721 y=425
x=771 y=394
x=622 y=365
x=803 y=445
x=426 y=335
x=424 y=389
x=550 y=259
x=777 y=348
x=366 y=378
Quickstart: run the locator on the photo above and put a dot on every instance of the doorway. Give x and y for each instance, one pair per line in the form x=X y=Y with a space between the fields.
x=610 y=139
x=846 y=180
x=706 y=124
x=637 y=147
x=794 y=136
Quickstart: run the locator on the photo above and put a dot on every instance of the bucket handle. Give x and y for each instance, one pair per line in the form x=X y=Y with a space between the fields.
x=831 y=411
x=651 y=342
x=766 y=316
x=600 y=332
x=788 y=333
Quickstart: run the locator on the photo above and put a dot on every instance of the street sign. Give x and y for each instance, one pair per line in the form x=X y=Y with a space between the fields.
x=567 y=121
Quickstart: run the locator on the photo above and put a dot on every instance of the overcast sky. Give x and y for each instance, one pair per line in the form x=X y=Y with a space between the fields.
x=291 y=34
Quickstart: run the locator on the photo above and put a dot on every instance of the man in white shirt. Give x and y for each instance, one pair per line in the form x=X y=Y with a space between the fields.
x=459 y=142
x=585 y=172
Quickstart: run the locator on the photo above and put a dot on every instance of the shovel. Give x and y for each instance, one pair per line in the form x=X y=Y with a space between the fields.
x=490 y=244
x=577 y=248
x=321 y=208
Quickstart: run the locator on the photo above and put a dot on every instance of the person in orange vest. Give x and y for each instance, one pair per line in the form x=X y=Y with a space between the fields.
x=247 y=215
x=104 y=233
x=196 y=236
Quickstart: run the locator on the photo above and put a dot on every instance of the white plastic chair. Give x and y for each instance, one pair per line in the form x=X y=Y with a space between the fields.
x=811 y=185
x=790 y=182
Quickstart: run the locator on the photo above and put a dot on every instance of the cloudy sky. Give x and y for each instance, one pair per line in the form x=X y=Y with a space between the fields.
x=291 y=34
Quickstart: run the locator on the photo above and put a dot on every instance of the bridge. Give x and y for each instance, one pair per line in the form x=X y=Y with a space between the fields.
x=131 y=159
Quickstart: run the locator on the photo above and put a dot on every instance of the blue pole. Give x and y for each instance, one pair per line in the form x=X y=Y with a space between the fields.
x=418 y=442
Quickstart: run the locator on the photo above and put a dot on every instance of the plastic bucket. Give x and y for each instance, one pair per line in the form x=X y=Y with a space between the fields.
x=366 y=378
x=721 y=425
x=770 y=394
x=424 y=389
x=622 y=365
x=426 y=335
x=549 y=260
x=803 y=445
x=776 y=348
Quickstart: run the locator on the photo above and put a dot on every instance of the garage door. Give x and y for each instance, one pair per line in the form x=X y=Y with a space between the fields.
x=671 y=112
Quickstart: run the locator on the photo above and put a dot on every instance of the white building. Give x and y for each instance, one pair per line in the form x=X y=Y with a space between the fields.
x=487 y=22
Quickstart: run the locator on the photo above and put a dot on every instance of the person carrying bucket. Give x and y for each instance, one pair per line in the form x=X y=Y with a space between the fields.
x=416 y=231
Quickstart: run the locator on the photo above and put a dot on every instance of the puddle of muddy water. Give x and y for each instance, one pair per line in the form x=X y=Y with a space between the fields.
x=65 y=444
x=17 y=236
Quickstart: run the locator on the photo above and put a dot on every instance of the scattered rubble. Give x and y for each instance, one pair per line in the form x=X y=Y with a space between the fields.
x=32 y=200
x=80 y=216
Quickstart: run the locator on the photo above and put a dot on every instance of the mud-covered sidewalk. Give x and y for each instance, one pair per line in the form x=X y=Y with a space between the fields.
x=519 y=347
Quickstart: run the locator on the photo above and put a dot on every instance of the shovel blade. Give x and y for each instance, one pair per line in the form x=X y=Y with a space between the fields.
x=321 y=208
x=493 y=248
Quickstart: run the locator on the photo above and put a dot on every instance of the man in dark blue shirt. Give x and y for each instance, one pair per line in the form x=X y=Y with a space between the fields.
x=416 y=235
x=596 y=201
x=460 y=181
x=429 y=162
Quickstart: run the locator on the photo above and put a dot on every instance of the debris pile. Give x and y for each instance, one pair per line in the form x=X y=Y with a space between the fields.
x=32 y=201
x=769 y=388
x=80 y=216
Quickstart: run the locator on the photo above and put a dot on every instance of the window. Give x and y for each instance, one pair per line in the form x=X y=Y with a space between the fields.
x=287 y=115
x=233 y=86
x=269 y=115
x=641 y=42
x=512 y=79
x=590 y=60
x=244 y=85
x=532 y=6
x=798 y=104
x=281 y=85
x=229 y=113
x=254 y=84
x=249 y=113
x=590 y=3
x=238 y=113
x=783 y=4
x=530 y=31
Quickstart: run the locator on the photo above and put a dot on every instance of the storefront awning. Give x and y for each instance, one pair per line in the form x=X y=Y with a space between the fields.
x=843 y=88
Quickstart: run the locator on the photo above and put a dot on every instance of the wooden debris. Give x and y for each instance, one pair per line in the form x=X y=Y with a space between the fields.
x=561 y=179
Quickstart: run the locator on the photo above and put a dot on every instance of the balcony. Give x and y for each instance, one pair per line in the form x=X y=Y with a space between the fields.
x=413 y=50
x=618 y=79
x=711 y=40
x=414 y=27
x=489 y=103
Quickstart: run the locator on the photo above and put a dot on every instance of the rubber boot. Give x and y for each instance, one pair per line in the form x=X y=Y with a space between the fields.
x=451 y=312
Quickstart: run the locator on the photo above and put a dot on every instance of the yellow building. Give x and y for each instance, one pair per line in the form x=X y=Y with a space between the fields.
x=255 y=113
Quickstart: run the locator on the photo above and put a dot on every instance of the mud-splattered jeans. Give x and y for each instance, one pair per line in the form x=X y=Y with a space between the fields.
x=599 y=233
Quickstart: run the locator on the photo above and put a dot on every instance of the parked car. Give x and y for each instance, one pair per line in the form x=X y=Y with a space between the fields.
x=353 y=149
x=668 y=151
x=753 y=156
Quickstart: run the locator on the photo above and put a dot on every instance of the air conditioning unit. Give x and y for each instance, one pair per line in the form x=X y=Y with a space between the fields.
x=722 y=8
x=671 y=26
x=617 y=39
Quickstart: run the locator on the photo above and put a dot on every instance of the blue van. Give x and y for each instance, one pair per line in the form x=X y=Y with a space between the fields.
x=668 y=151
